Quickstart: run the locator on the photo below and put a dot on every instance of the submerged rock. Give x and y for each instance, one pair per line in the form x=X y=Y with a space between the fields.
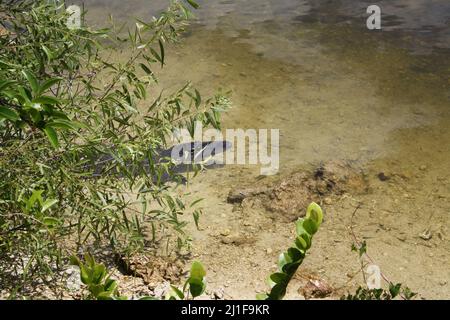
x=292 y=194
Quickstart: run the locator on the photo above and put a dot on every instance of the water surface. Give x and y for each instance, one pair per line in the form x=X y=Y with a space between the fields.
x=314 y=71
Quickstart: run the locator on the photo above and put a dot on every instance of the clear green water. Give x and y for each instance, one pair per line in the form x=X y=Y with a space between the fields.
x=313 y=70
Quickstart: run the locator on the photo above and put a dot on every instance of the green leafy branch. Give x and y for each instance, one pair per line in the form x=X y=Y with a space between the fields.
x=290 y=261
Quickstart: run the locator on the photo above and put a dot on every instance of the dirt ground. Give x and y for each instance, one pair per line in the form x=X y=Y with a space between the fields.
x=240 y=247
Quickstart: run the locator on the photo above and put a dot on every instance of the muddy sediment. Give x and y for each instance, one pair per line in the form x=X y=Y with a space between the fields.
x=289 y=197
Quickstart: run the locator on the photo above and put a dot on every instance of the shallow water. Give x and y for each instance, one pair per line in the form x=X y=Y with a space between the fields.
x=314 y=71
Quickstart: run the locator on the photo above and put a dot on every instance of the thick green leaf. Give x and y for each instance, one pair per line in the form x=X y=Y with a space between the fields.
x=278 y=277
x=99 y=273
x=315 y=213
x=84 y=275
x=111 y=285
x=197 y=271
x=196 y=287
x=295 y=254
x=105 y=295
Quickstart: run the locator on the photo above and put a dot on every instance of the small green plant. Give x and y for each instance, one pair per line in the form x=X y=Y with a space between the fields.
x=291 y=260
x=381 y=294
x=365 y=293
x=95 y=276
x=101 y=287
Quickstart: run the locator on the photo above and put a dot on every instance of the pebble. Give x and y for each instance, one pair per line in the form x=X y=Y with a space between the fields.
x=269 y=251
x=327 y=201
x=218 y=294
x=426 y=235
x=226 y=240
x=225 y=232
x=423 y=167
x=383 y=177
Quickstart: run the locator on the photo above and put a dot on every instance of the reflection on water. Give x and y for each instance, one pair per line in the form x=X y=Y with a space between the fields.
x=313 y=70
x=428 y=20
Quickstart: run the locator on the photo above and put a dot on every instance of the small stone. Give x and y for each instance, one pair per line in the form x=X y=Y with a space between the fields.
x=226 y=240
x=316 y=288
x=218 y=294
x=383 y=177
x=423 y=167
x=225 y=232
x=327 y=201
x=426 y=235
x=443 y=283
x=269 y=251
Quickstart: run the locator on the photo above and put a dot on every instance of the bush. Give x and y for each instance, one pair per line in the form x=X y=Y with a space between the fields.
x=65 y=107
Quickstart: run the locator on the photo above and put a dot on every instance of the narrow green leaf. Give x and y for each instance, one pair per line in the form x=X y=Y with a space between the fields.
x=193 y=4
x=48 y=53
x=7 y=113
x=62 y=124
x=315 y=213
x=48 y=84
x=161 y=49
x=5 y=84
x=178 y=292
x=52 y=136
x=46 y=100
x=31 y=80
x=48 y=204
x=262 y=296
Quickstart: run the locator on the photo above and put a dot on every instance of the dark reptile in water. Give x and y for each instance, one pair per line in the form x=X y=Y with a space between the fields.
x=186 y=158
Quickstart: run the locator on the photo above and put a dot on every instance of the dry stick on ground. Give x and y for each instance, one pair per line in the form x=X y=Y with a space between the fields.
x=359 y=244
